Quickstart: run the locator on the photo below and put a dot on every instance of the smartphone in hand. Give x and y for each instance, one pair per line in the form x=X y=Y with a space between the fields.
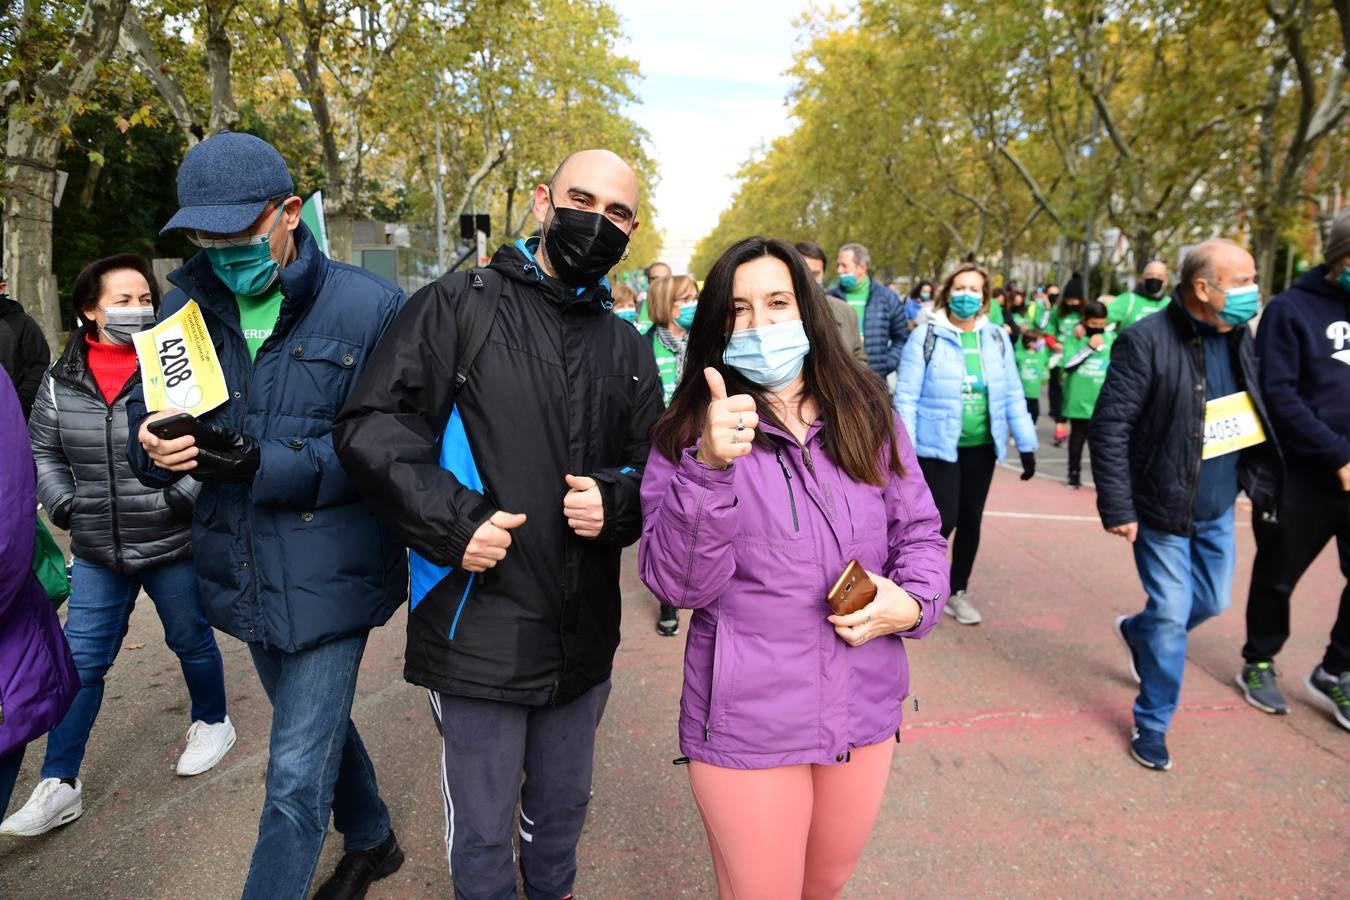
x=175 y=426
x=852 y=591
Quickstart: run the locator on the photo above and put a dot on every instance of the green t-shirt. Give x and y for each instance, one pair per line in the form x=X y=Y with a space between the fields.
x=1034 y=316
x=857 y=298
x=975 y=431
x=996 y=314
x=1034 y=368
x=257 y=318
x=1130 y=307
x=1083 y=384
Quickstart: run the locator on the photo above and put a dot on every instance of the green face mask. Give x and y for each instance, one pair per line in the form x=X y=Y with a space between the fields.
x=248 y=270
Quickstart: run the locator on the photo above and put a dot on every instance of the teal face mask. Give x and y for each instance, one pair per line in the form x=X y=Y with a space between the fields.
x=1343 y=279
x=1240 y=304
x=685 y=317
x=965 y=304
x=628 y=315
x=848 y=281
x=248 y=270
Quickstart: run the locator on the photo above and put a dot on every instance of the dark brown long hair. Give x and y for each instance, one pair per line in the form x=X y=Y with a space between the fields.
x=859 y=433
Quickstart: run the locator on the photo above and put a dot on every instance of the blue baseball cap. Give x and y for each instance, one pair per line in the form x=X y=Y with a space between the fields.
x=225 y=182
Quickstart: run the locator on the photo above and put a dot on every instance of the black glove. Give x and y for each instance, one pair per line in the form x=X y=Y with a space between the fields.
x=1028 y=466
x=224 y=454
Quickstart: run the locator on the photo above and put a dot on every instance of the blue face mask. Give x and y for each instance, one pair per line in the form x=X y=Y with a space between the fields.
x=848 y=281
x=248 y=270
x=628 y=315
x=772 y=356
x=685 y=317
x=1240 y=304
x=965 y=304
x=1343 y=279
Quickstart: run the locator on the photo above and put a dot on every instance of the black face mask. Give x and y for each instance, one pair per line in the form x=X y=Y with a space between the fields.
x=1153 y=287
x=1092 y=331
x=583 y=246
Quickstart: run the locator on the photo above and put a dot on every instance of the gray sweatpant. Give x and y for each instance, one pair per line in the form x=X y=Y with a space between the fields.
x=488 y=745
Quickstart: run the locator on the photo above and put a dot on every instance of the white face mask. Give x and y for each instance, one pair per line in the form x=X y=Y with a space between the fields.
x=121 y=322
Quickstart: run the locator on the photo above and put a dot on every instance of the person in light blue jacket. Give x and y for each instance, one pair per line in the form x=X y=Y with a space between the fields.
x=959 y=396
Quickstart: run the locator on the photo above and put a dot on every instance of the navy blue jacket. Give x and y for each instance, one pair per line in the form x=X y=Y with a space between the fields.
x=1304 y=346
x=294 y=559
x=885 y=328
x=1147 y=432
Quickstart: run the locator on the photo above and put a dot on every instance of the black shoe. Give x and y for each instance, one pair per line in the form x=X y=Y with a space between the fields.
x=668 y=623
x=1075 y=480
x=358 y=871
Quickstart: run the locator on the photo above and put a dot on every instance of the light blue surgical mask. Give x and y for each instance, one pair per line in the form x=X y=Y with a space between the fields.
x=1240 y=304
x=685 y=317
x=848 y=281
x=628 y=315
x=771 y=356
x=248 y=270
x=965 y=304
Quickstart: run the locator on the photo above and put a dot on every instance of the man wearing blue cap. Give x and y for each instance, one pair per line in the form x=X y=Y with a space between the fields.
x=289 y=559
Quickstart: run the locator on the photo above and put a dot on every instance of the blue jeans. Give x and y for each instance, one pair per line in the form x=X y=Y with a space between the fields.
x=98 y=613
x=1188 y=580
x=317 y=765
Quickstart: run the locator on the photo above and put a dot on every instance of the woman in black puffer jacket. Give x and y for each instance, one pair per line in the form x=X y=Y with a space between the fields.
x=125 y=537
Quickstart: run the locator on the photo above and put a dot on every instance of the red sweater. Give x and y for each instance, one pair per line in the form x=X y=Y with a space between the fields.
x=112 y=365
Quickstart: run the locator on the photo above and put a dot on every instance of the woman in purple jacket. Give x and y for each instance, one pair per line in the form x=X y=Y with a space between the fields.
x=37 y=674
x=754 y=503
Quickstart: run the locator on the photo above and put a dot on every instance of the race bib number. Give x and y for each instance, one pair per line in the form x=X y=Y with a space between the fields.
x=1231 y=424
x=179 y=367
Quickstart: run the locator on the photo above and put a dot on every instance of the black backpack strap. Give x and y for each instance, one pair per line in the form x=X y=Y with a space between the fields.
x=477 y=309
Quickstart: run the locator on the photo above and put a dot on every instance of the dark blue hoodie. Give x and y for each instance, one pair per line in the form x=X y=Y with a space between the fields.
x=1304 y=347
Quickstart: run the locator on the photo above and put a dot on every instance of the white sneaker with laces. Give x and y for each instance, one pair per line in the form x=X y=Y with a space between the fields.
x=960 y=609
x=53 y=804
x=206 y=746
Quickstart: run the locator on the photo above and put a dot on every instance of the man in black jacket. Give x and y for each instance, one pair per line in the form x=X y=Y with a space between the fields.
x=1180 y=425
x=500 y=430
x=1304 y=345
x=24 y=353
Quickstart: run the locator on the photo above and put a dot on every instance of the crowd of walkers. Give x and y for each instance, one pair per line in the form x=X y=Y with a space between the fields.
x=775 y=439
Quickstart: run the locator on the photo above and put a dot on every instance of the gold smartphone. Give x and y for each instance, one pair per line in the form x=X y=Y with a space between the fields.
x=852 y=591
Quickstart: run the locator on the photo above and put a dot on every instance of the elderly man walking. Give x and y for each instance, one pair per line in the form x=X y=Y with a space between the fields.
x=879 y=309
x=1180 y=425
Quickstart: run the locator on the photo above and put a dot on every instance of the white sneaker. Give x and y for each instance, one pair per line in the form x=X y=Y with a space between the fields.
x=960 y=609
x=206 y=746
x=53 y=804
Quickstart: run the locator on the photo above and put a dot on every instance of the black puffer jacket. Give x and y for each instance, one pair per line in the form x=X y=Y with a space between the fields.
x=85 y=482
x=561 y=386
x=1147 y=431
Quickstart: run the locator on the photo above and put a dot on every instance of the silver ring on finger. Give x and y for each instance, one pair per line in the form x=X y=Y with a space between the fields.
x=740 y=421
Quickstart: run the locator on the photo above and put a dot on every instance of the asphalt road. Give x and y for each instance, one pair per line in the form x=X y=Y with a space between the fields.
x=1013 y=779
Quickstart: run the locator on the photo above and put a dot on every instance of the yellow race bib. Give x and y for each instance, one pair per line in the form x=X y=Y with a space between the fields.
x=1231 y=424
x=179 y=367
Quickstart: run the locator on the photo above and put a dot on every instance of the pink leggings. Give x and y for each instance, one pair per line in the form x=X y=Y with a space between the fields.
x=793 y=831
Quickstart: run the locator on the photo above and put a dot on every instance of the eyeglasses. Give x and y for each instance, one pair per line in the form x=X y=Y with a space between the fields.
x=247 y=240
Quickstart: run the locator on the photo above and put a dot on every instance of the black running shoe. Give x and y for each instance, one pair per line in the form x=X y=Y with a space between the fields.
x=668 y=622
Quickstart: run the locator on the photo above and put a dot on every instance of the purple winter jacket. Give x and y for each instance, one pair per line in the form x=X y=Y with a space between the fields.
x=753 y=549
x=38 y=680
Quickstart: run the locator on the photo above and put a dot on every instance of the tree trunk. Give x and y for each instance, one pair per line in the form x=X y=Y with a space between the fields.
x=1265 y=240
x=338 y=220
x=28 y=236
x=224 y=114
x=32 y=142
